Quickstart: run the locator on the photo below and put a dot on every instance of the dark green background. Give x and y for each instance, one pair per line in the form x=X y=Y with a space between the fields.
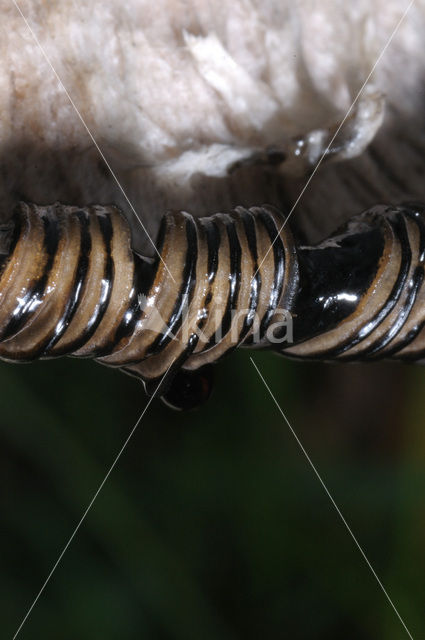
x=213 y=524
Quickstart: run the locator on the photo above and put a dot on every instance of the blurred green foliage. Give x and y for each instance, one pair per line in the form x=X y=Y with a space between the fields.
x=213 y=524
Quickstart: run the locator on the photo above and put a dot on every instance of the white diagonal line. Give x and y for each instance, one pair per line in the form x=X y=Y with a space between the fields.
x=338 y=130
x=99 y=489
x=90 y=134
x=333 y=501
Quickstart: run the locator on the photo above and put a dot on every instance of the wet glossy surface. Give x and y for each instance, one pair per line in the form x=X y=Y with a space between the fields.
x=357 y=295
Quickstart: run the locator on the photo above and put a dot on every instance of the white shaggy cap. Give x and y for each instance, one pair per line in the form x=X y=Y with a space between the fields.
x=177 y=93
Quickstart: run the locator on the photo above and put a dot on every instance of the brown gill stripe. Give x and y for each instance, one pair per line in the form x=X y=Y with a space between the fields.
x=96 y=289
x=72 y=285
x=371 y=300
x=76 y=287
x=24 y=275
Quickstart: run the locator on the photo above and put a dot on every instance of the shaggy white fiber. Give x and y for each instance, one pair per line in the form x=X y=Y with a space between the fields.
x=186 y=98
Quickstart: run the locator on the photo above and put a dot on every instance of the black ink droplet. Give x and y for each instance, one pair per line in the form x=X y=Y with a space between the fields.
x=189 y=389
